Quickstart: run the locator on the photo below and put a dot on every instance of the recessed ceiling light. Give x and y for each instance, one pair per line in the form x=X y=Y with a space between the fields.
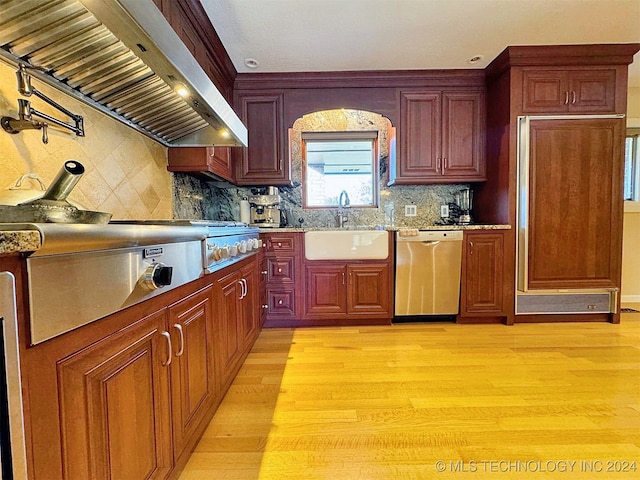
x=475 y=59
x=181 y=90
x=251 y=62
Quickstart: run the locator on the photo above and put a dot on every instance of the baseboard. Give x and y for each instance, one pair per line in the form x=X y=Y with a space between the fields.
x=630 y=299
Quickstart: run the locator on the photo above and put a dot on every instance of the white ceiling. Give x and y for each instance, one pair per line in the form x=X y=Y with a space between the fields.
x=333 y=35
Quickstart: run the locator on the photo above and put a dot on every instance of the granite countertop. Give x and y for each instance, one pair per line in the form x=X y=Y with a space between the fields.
x=390 y=229
x=19 y=241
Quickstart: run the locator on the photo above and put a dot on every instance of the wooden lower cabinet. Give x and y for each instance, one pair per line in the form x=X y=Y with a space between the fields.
x=483 y=274
x=237 y=320
x=192 y=367
x=114 y=405
x=128 y=396
x=336 y=290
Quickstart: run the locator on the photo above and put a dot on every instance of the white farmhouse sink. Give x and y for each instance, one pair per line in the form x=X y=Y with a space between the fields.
x=346 y=245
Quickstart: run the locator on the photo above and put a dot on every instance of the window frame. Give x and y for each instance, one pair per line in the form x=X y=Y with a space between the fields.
x=338 y=136
x=634 y=201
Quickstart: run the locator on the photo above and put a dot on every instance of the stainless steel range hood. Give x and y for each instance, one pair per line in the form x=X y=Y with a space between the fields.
x=122 y=57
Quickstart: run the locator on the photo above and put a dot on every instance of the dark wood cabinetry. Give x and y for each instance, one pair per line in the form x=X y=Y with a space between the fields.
x=440 y=138
x=192 y=366
x=129 y=395
x=266 y=160
x=282 y=274
x=575 y=165
x=483 y=286
x=210 y=163
x=334 y=290
x=114 y=405
x=557 y=90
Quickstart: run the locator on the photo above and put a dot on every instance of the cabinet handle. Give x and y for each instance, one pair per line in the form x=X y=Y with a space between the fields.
x=444 y=164
x=343 y=278
x=566 y=97
x=265 y=307
x=241 y=289
x=246 y=287
x=573 y=97
x=167 y=362
x=438 y=162
x=280 y=164
x=350 y=278
x=264 y=272
x=470 y=248
x=178 y=327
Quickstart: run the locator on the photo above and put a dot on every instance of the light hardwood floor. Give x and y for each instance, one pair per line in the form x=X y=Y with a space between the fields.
x=491 y=401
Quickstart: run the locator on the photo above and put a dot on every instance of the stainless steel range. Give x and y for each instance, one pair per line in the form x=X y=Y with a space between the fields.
x=226 y=242
x=84 y=272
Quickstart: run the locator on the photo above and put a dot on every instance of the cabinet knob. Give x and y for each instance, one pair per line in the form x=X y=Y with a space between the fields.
x=279 y=244
x=279 y=302
x=264 y=272
x=265 y=307
x=279 y=270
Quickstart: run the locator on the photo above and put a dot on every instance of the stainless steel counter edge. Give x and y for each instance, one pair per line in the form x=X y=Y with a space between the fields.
x=67 y=238
x=390 y=229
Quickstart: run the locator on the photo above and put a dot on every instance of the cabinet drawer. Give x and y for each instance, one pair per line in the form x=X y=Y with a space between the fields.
x=281 y=269
x=280 y=243
x=281 y=302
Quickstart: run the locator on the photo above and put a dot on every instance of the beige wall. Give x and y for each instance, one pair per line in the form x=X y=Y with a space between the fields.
x=125 y=171
x=631 y=235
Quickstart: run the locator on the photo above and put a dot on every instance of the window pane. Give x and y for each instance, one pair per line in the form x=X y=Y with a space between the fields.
x=628 y=169
x=337 y=164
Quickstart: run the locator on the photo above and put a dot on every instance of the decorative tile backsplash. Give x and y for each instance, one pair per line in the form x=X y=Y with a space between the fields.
x=126 y=172
x=223 y=203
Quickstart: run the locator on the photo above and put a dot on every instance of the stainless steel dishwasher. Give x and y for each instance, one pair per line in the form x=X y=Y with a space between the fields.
x=428 y=273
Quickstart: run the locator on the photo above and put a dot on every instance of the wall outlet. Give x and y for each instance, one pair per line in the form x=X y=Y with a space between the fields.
x=410 y=210
x=444 y=211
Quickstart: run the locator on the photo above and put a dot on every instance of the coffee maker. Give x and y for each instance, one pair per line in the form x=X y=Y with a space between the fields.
x=264 y=204
x=463 y=200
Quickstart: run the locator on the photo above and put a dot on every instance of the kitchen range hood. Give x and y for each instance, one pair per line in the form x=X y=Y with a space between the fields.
x=123 y=58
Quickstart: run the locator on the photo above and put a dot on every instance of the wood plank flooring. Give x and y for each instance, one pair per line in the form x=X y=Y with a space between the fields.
x=390 y=402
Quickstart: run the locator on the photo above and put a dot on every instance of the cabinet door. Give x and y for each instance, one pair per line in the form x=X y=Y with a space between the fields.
x=369 y=288
x=114 y=405
x=463 y=134
x=592 y=91
x=483 y=274
x=228 y=347
x=420 y=136
x=265 y=161
x=545 y=91
x=575 y=203
x=250 y=315
x=586 y=90
x=201 y=160
x=192 y=376
x=326 y=292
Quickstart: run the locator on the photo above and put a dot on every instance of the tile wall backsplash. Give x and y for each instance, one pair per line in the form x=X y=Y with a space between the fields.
x=223 y=203
x=126 y=171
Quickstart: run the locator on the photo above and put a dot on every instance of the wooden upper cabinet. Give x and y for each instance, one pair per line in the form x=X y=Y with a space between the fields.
x=441 y=138
x=265 y=161
x=206 y=162
x=581 y=90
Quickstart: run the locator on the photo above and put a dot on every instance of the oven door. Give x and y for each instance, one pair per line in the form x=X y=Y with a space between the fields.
x=13 y=460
